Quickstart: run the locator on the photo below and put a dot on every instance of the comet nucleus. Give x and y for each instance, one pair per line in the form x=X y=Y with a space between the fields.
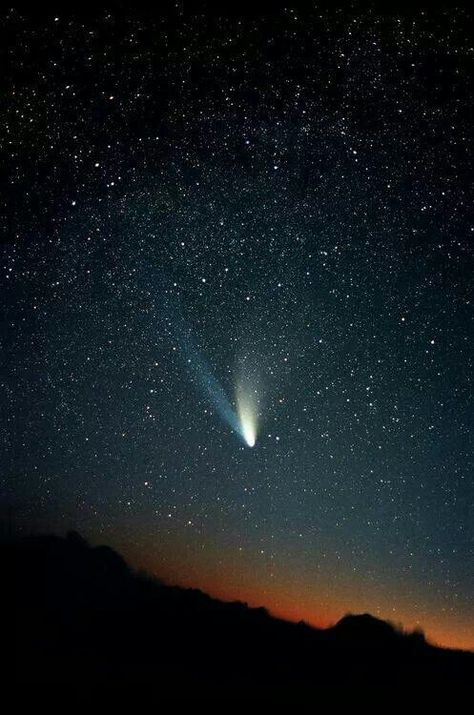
x=247 y=414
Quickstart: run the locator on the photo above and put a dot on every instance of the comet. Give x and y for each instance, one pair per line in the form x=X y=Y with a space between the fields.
x=248 y=431
x=242 y=418
x=247 y=414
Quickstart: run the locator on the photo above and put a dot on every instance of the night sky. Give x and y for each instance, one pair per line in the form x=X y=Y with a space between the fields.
x=227 y=227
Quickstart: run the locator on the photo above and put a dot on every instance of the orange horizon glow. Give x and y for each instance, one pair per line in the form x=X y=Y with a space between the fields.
x=294 y=600
x=291 y=612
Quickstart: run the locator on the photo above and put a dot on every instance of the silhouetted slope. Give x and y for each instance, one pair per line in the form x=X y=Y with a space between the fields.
x=82 y=617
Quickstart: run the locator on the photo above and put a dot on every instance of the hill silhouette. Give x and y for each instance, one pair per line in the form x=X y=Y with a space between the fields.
x=83 y=617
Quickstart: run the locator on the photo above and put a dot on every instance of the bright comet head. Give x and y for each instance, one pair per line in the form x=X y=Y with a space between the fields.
x=248 y=432
x=247 y=419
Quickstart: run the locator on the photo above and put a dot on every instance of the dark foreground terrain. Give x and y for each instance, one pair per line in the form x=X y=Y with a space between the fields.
x=83 y=618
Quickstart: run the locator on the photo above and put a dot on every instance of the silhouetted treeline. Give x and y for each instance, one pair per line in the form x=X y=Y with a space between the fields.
x=82 y=617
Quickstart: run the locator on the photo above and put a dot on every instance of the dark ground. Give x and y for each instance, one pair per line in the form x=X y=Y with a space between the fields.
x=83 y=619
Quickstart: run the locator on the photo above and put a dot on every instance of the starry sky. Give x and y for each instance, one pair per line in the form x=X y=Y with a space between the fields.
x=275 y=204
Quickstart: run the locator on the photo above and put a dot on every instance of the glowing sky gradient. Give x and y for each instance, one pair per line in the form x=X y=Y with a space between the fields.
x=289 y=593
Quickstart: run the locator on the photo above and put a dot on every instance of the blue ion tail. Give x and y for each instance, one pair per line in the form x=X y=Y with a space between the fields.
x=242 y=422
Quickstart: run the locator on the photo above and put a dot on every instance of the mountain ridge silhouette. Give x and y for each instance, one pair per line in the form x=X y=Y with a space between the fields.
x=82 y=615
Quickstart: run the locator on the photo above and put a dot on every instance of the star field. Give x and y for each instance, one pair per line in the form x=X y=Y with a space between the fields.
x=296 y=184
